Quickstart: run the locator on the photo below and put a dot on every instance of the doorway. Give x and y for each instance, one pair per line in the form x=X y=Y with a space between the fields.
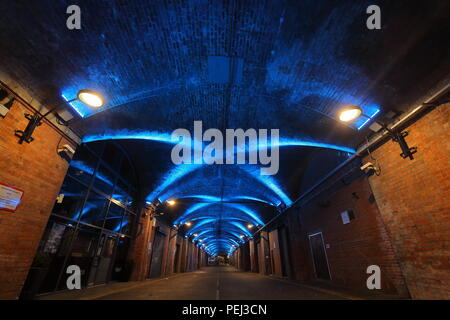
x=157 y=254
x=319 y=256
x=102 y=260
x=284 y=251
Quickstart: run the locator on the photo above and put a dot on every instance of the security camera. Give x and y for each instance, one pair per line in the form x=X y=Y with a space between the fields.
x=66 y=152
x=369 y=168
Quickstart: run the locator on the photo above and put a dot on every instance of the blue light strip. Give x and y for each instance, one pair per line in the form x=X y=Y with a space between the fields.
x=369 y=119
x=269 y=182
x=131 y=135
x=73 y=106
x=167 y=138
x=252 y=216
x=177 y=172
x=303 y=143
x=205 y=223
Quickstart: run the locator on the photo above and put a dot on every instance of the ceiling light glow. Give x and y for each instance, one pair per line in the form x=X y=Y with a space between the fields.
x=350 y=113
x=91 y=98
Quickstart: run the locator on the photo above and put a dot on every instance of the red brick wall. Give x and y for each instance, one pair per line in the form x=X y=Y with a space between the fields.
x=414 y=201
x=37 y=169
x=353 y=247
x=171 y=252
x=141 y=250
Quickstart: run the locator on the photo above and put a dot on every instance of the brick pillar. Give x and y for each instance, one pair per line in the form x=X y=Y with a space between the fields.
x=171 y=251
x=141 y=248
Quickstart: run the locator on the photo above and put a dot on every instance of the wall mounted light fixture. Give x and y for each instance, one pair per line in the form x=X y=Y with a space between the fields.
x=351 y=113
x=88 y=97
x=170 y=202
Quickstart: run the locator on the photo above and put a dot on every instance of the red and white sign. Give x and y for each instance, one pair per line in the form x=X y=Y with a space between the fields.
x=10 y=197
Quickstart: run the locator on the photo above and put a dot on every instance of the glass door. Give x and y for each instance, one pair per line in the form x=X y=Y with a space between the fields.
x=102 y=261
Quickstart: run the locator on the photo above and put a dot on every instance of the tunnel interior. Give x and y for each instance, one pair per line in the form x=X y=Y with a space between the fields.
x=279 y=71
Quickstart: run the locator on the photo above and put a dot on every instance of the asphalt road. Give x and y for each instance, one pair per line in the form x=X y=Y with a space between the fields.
x=215 y=283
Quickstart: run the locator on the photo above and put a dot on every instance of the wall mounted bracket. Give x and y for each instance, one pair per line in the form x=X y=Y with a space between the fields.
x=34 y=122
x=26 y=135
x=399 y=137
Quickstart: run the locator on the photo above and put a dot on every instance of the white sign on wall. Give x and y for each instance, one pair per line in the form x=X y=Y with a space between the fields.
x=10 y=197
x=345 y=217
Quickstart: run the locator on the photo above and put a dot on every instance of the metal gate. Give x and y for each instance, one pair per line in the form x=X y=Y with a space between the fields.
x=157 y=254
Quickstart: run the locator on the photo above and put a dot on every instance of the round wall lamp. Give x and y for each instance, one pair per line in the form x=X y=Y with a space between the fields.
x=351 y=113
x=88 y=97
x=348 y=114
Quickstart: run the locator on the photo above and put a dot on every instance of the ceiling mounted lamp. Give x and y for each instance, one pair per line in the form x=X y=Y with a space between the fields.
x=250 y=226
x=88 y=97
x=91 y=98
x=170 y=202
x=241 y=236
x=188 y=224
x=351 y=113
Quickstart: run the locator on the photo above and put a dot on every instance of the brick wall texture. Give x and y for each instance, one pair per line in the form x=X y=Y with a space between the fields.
x=353 y=246
x=401 y=224
x=414 y=201
x=37 y=169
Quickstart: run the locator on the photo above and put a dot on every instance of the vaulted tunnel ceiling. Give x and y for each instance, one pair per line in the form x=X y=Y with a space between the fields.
x=288 y=65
